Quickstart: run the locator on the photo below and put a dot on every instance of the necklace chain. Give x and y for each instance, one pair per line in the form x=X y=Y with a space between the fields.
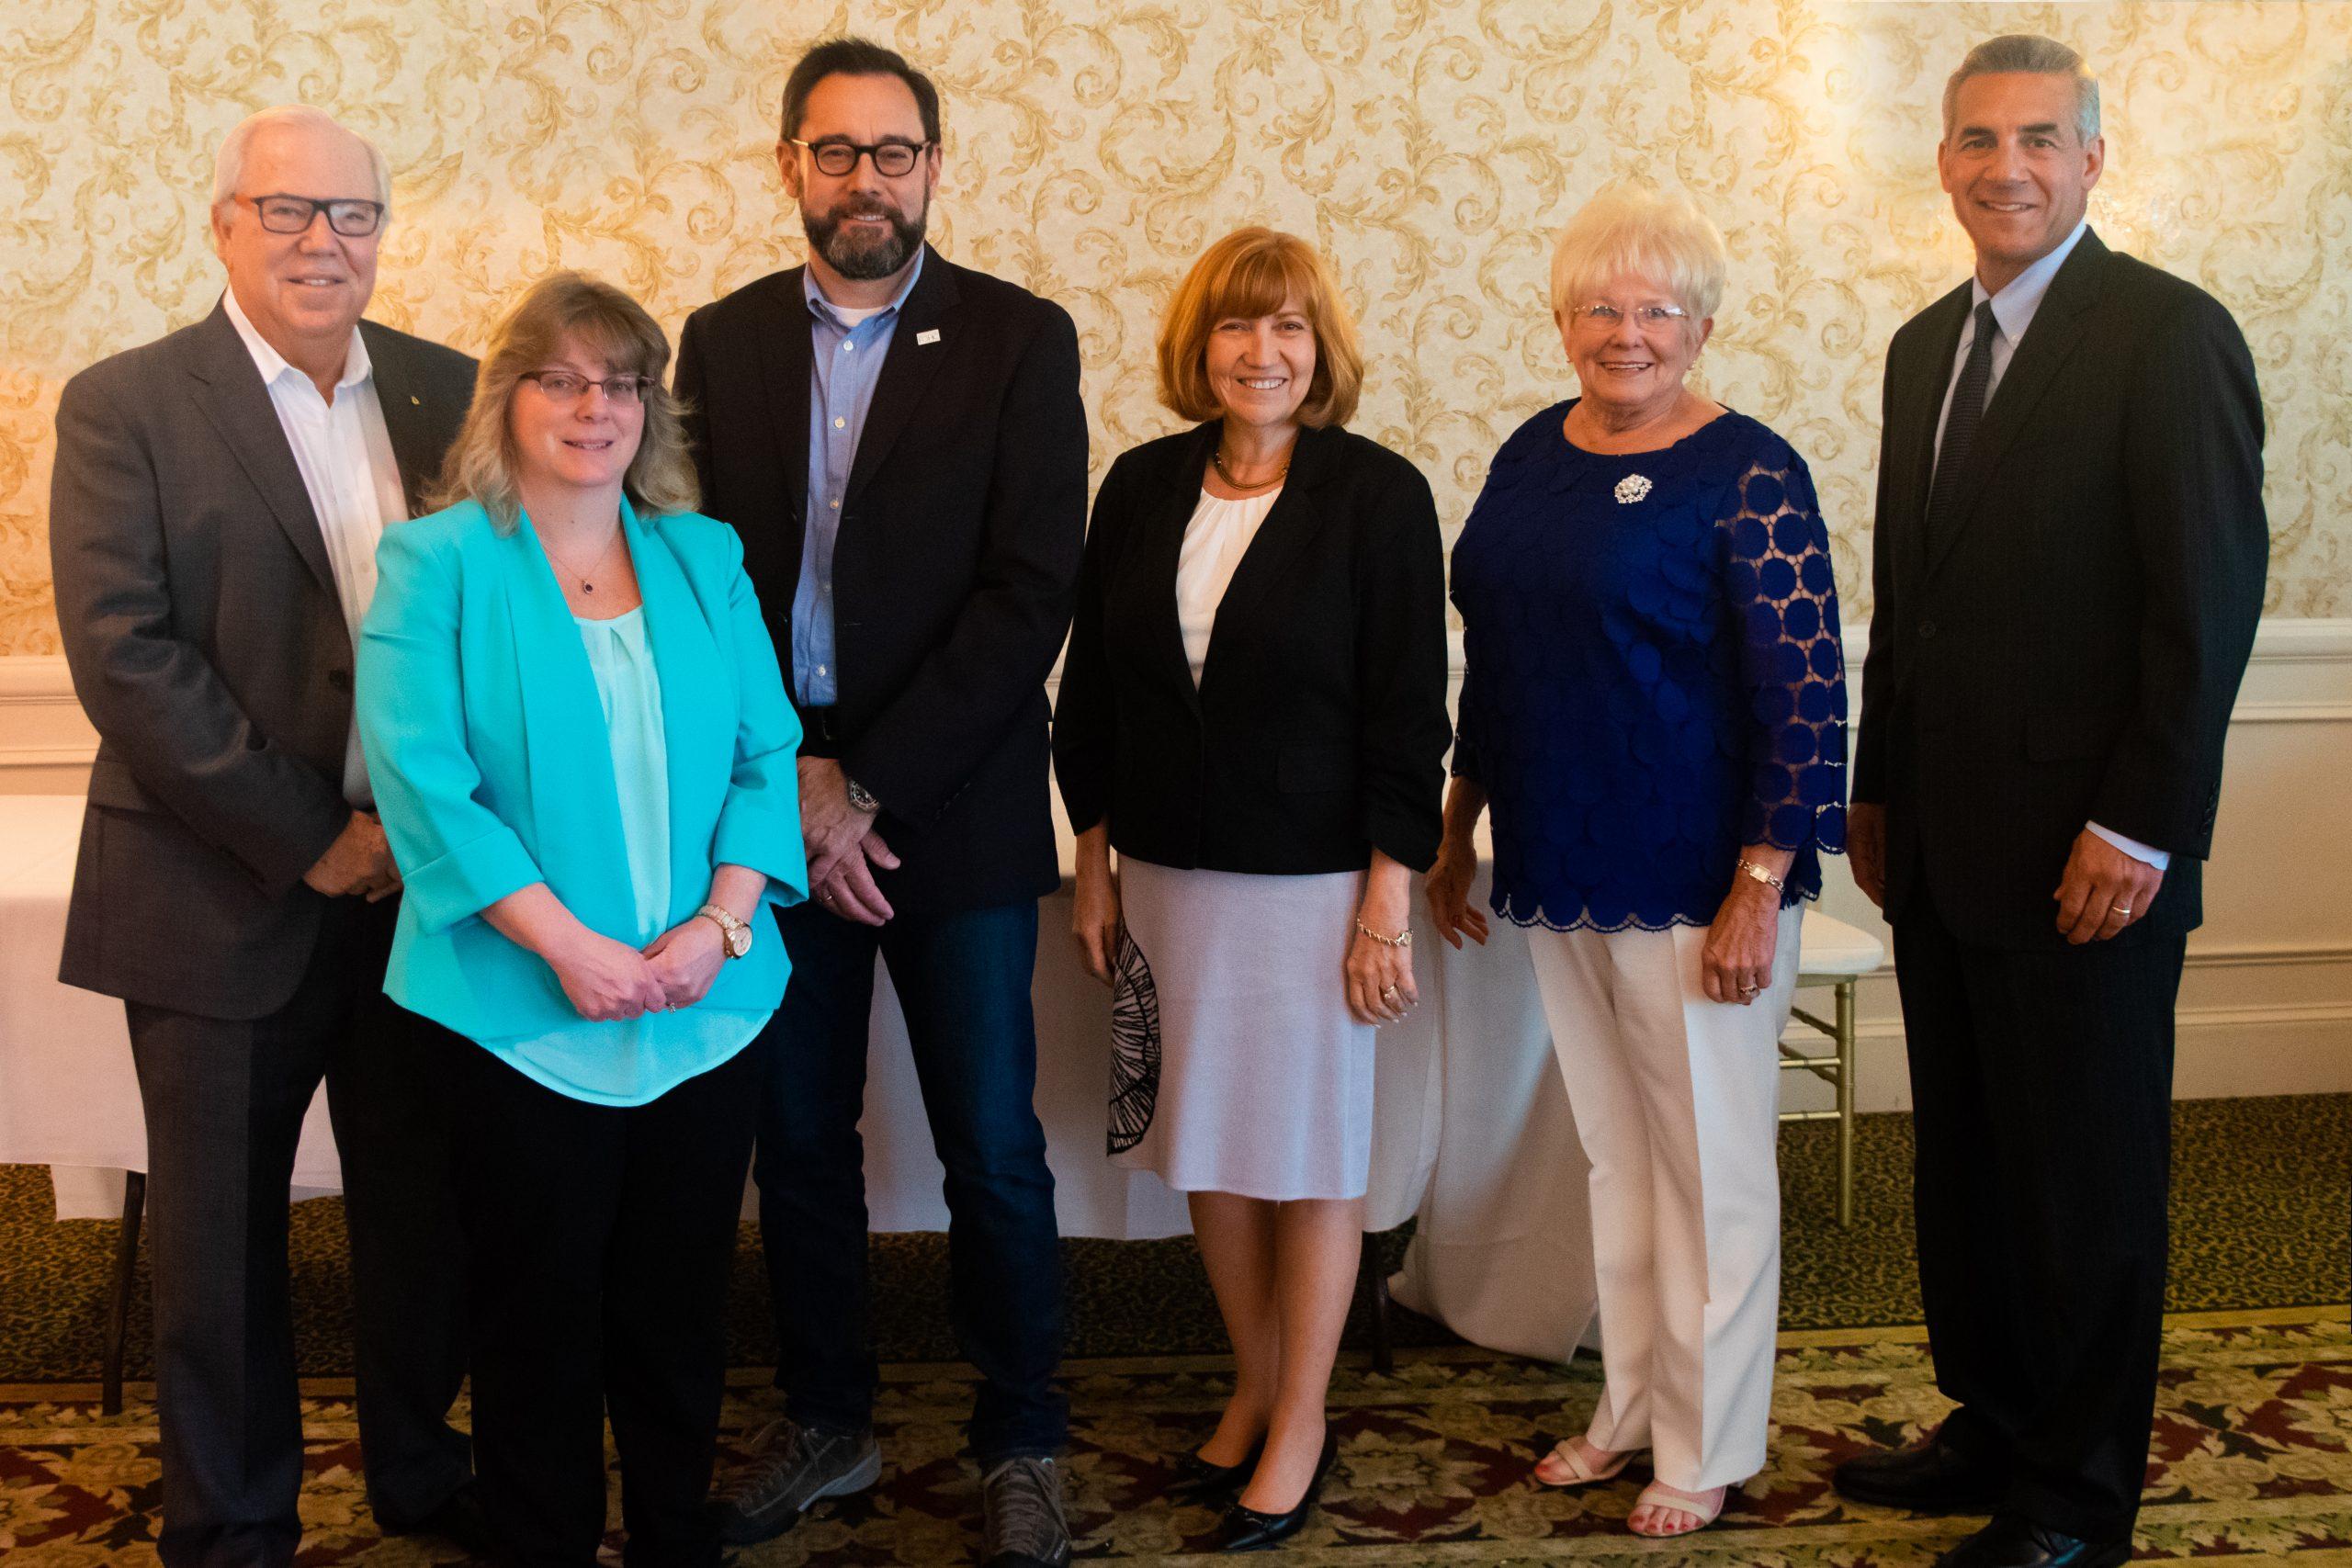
x=1216 y=456
x=585 y=586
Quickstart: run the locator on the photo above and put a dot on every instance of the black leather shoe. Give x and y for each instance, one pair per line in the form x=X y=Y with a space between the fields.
x=1198 y=1480
x=2012 y=1543
x=1247 y=1530
x=1930 y=1477
x=459 y=1520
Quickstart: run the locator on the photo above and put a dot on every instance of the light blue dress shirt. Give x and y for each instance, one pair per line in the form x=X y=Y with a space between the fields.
x=632 y=1061
x=2013 y=312
x=846 y=352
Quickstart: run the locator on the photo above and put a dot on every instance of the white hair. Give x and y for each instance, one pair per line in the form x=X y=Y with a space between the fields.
x=2029 y=52
x=229 y=164
x=1635 y=231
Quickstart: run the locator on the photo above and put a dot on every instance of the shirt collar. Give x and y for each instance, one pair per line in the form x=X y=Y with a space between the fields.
x=272 y=363
x=820 y=306
x=2014 y=306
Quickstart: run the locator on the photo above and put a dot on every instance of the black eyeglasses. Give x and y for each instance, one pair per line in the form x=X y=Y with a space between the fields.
x=292 y=214
x=564 y=386
x=891 y=159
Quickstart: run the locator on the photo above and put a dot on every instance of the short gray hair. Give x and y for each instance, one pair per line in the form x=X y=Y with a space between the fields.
x=1634 y=230
x=2030 y=52
x=229 y=164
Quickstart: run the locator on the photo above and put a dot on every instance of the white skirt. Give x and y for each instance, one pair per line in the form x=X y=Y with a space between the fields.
x=1236 y=1065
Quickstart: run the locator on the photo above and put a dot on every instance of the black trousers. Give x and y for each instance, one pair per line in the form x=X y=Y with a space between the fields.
x=598 y=1243
x=2042 y=1084
x=224 y=1101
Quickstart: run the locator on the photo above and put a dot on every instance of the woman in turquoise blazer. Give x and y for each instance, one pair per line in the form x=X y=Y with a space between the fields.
x=579 y=740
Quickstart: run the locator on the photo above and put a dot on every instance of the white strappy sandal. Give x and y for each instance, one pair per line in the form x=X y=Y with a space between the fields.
x=1704 y=1507
x=1581 y=1471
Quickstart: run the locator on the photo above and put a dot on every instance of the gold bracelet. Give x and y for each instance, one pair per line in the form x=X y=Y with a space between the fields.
x=1402 y=939
x=1762 y=875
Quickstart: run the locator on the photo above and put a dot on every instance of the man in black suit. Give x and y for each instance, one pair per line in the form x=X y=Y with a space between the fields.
x=901 y=442
x=2069 y=564
x=216 y=499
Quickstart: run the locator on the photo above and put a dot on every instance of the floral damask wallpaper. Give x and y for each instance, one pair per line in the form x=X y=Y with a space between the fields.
x=1093 y=146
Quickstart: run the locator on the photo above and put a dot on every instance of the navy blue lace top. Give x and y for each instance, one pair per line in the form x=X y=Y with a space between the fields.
x=1653 y=676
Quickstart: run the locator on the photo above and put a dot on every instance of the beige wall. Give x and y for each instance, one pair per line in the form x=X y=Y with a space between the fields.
x=1094 y=145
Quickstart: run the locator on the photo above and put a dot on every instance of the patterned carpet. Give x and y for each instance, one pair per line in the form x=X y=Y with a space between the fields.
x=2261 y=1191
x=2253 y=1463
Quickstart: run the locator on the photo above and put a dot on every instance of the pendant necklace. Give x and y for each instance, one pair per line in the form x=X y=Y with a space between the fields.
x=585 y=586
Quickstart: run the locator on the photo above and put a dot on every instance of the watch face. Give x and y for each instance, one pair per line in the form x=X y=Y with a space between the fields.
x=738 y=941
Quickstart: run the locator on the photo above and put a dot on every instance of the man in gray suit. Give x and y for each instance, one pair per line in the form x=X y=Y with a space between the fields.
x=213 y=521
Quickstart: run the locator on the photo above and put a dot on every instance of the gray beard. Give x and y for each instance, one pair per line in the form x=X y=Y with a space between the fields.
x=863 y=260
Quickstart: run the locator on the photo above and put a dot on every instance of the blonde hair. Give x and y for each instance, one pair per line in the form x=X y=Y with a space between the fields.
x=482 y=461
x=1254 y=272
x=1633 y=230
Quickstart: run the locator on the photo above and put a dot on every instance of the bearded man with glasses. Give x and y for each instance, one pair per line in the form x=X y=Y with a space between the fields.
x=213 y=519
x=901 y=442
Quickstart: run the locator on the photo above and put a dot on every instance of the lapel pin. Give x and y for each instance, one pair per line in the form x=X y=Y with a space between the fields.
x=928 y=336
x=414 y=401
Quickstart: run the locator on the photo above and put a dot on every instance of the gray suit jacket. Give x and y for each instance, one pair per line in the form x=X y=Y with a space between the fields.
x=206 y=644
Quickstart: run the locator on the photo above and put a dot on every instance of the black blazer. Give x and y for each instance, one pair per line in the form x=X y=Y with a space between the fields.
x=208 y=648
x=2070 y=654
x=954 y=565
x=1318 y=731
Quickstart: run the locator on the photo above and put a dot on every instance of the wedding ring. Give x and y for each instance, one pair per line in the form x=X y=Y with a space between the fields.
x=1749 y=990
x=2124 y=910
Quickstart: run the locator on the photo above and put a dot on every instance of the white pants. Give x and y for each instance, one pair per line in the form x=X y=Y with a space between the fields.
x=1677 y=1102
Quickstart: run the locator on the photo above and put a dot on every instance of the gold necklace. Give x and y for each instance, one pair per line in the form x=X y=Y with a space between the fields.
x=585 y=586
x=1216 y=457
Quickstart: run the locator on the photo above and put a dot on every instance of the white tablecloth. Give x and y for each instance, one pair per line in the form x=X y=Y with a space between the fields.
x=1472 y=1129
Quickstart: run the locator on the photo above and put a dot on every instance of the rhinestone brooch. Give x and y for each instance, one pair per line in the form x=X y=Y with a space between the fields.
x=1631 y=489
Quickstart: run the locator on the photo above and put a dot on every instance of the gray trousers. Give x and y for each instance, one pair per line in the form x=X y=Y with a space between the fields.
x=224 y=1100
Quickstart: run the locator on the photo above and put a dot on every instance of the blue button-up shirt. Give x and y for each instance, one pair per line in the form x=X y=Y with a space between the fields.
x=845 y=362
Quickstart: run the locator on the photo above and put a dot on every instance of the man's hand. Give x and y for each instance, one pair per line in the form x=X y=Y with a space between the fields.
x=358 y=862
x=2103 y=890
x=830 y=828
x=850 y=892
x=1866 y=848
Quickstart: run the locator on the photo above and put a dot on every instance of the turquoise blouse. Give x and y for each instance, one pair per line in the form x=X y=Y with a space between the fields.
x=632 y=1061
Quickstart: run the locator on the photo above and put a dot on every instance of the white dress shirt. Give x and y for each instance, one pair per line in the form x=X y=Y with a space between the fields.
x=1215 y=541
x=2013 y=312
x=344 y=454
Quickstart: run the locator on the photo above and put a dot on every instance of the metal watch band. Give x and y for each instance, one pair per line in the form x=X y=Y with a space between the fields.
x=861 y=798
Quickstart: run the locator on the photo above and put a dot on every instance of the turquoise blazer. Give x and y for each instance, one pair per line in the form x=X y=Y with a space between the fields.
x=486 y=747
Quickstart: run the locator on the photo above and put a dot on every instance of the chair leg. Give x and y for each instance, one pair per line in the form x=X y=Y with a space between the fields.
x=126 y=1264
x=1383 y=1349
x=1846 y=1103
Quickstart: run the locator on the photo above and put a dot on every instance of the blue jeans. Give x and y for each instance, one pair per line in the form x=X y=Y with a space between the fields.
x=963 y=981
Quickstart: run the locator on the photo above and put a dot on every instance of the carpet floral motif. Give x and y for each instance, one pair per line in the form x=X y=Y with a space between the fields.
x=2252 y=1462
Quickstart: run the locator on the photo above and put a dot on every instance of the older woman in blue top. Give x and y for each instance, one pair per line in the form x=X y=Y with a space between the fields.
x=581 y=744
x=1652 y=706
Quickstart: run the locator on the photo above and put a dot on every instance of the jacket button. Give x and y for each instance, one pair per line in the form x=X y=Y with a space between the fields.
x=1926 y=630
x=339 y=679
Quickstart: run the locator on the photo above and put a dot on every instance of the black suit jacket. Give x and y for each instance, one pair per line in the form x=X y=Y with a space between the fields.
x=208 y=648
x=953 y=566
x=2071 y=652
x=1319 y=729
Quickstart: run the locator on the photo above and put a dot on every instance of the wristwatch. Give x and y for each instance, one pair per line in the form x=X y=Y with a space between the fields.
x=734 y=934
x=861 y=798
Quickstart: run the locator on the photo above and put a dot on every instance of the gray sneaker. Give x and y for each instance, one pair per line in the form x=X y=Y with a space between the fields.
x=1025 y=1528
x=798 y=1466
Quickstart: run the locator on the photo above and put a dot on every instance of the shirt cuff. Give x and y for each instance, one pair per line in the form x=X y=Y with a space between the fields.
x=2160 y=859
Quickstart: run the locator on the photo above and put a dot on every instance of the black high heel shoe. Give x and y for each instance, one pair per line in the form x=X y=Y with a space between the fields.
x=1199 y=1481
x=1247 y=1530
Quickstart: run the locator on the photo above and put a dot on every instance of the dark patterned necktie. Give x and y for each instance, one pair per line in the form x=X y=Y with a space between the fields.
x=1960 y=426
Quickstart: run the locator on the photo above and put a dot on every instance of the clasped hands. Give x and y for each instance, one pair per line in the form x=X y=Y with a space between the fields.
x=842 y=846
x=606 y=981
x=357 y=864
x=2101 y=891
